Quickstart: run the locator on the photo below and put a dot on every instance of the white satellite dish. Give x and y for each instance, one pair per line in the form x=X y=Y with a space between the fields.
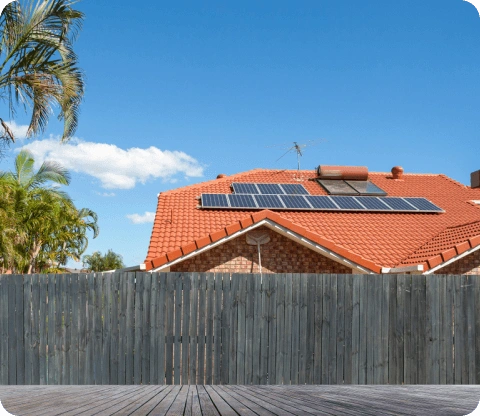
x=3 y=412
x=258 y=239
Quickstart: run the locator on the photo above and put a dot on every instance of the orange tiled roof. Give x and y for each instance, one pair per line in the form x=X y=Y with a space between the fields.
x=382 y=239
x=446 y=245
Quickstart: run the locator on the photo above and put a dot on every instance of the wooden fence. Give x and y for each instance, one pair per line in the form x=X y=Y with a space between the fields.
x=219 y=329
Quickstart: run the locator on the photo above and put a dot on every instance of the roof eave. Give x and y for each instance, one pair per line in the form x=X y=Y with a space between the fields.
x=276 y=223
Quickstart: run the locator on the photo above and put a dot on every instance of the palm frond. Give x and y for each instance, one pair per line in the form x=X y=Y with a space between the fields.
x=40 y=66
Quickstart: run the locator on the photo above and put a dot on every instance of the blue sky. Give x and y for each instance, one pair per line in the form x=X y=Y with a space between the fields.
x=178 y=93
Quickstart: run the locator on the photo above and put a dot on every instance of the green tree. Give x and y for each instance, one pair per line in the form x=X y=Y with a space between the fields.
x=46 y=226
x=98 y=262
x=38 y=66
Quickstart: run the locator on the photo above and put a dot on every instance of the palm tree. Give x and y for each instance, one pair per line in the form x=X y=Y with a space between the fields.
x=38 y=67
x=68 y=240
x=48 y=228
x=98 y=262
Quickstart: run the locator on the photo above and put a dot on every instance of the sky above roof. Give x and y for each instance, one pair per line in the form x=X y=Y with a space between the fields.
x=180 y=92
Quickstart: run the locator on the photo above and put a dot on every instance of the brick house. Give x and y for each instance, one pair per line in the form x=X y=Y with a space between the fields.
x=332 y=220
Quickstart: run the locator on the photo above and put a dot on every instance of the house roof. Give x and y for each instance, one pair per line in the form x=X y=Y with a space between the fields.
x=378 y=239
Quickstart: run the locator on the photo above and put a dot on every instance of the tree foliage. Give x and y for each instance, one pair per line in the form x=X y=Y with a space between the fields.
x=98 y=262
x=38 y=66
x=40 y=227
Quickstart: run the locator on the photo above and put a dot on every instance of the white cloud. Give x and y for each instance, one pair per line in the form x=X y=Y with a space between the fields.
x=142 y=219
x=19 y=131
x=116 y=168
x=106 y=194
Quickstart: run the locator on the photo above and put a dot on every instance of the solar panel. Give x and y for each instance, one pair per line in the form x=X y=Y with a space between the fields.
x=398 y=204
x=366 y=188
x=424 y=204
x=318 y=203
x=294 y=189
x=295 y=201
x=214 y=200
x=372 y=203
x=245 y=188
x=269 y=189
x=321 y=202
x=347 y=202
x=268 y=201
x=241 y=201
x=336 y=187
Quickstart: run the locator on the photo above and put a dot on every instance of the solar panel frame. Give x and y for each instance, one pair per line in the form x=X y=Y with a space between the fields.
x=372 y=203
x=242 y=201
x=321 y=203
x=245 y=188
x=423 y=204
x=347 y=203
x=293 y=189
x=269 y=201
x=269 y=189
x=295 y=202
x=214 y=201
x=399 y=204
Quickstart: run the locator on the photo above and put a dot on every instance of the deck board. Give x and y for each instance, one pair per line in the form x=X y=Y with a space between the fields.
x=263 y=400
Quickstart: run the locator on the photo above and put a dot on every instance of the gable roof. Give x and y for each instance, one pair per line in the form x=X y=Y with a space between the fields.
x=383 y=239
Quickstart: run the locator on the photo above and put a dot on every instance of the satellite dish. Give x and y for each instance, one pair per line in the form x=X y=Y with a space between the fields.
x=3 y=412
x=256 y=238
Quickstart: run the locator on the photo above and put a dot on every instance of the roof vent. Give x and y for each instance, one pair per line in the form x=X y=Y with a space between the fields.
x=397 y=172
x=221 y=175
x=475 y=179
x=353 y=173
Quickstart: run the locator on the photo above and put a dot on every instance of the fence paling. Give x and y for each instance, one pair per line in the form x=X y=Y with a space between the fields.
x=198 y=328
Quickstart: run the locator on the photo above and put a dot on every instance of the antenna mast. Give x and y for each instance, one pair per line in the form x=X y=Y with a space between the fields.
x=297 y=148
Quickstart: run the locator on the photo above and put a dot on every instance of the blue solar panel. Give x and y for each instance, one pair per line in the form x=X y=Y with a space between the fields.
x=321 y=202
x=214 y=200
x=269 y=189
x=424 y=204
x=241 y=201
x=245 y=188
x=311 y=202
x=268 y=201
x=366 y=188
x=295 y=201
x=347 y=202
x=372 y=203
x=398 y=204
x=294 y=189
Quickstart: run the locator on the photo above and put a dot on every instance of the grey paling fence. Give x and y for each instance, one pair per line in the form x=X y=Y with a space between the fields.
x=240 y=329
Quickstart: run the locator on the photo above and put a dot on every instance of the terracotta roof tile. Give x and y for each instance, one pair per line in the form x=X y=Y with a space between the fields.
x=386 y=239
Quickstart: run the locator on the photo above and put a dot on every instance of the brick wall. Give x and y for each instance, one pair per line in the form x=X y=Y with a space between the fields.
x=280 y=255
x=467 y=265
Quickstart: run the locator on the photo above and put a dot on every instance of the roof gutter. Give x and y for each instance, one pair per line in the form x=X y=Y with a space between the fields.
x=416 y=269
x=139 y=268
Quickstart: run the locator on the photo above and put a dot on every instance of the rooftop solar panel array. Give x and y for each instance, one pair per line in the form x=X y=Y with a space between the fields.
x=318 y=203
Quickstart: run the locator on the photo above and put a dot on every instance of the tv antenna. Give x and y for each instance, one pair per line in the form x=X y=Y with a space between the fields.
x=298 y=149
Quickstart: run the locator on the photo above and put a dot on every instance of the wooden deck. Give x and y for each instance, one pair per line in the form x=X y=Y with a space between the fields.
x=243 y=400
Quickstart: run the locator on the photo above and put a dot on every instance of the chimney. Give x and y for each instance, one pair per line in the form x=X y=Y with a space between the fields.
x=475 y=179
x=397 y=172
